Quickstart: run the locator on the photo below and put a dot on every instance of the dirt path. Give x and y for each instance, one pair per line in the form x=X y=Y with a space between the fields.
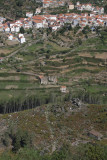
x=51 y=129
x=29 y=43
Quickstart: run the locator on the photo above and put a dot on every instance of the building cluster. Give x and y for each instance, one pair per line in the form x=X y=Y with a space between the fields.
x=2 y=20
x=53 y=21
x=52 y=4
x=12 y=28
x=57 y=21
x=90 y=7
x=19 y=38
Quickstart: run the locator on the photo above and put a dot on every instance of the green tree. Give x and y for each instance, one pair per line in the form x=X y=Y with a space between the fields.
x=90 y=152
x=20 y=139
x=94 y=152
x=22 y=30
x=105 y=9
x=79 y=41
x=62 y=154
x=64 y=60
x=47 y=56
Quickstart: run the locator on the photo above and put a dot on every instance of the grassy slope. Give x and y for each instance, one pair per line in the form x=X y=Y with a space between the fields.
x=66 y=127
x=83 y=65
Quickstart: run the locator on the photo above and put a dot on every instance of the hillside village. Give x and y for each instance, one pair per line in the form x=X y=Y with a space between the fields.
x=95 y=18
x=53 y=78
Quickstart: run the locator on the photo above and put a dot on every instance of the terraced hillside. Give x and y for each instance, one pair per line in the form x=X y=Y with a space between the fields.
x=77 y=59
x=33 y=110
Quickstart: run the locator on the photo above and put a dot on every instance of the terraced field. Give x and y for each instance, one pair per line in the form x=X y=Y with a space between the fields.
x=81 y=68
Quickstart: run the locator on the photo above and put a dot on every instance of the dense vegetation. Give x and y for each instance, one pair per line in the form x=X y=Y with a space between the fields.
x=83 y=152
x=16 y=105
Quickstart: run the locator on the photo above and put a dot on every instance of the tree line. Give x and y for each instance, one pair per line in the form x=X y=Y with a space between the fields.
x=16 y=105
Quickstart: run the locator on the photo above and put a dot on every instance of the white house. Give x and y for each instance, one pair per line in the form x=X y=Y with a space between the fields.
x=6 y=29
x=46 y=4
x=27 y=24
x=12 y=28
x=38 y=11
x=53 y=17
x=1 y=27
x=18 y=23
x=70 y=6
x=88 y=7
x=10 y=37
x=101 y=10
x=11 y=24
x=55 y=27
x=29 y=14
x=17 y=29
x=22 y=38
x=20 y=35
x=78 y=3
x=38 y=23
x=2 y=19
x=63 y=89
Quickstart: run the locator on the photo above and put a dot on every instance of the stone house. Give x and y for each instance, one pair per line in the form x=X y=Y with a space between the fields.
x=52 y=79
x=48 y=80
x=43 y=80
x=95 y=134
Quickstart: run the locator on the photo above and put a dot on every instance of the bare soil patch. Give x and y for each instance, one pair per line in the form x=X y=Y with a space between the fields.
x=85 y=55
x=5 y=51
x=17 y=78
x=101 y=55
x=32 y=78
x=11 y=87
x=11 y=43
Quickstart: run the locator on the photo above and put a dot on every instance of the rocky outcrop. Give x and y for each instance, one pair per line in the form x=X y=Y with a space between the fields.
x=74 y=105
x=52 y=79
x=43 y=80
x=48 y=80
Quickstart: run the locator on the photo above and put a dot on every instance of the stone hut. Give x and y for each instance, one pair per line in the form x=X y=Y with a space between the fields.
x=95 y=134
x=43 y=80
x=52 y=79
